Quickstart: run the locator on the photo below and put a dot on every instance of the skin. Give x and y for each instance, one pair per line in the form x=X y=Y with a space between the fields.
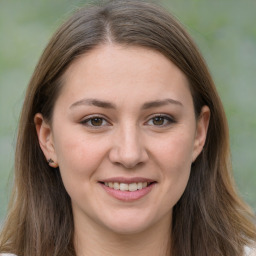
x=129 y=142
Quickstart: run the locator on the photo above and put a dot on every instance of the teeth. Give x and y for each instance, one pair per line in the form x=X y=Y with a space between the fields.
x=116 y=186
x=126 y=187
x=139 y=185
x=123 y=186
x=133 y=187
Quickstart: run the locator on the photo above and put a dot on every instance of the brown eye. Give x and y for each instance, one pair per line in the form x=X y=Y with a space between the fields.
x=158 y=120
x=161 y=120
x=96 y=121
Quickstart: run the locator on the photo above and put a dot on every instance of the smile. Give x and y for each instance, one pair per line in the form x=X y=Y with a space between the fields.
x=127 y=189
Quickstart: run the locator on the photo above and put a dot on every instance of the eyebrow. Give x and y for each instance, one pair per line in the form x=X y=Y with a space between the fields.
x=93 y=102
x=106 y=104
x=160 y=103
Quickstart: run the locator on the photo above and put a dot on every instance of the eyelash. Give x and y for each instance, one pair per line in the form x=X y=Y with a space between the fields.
x=168 y=120
x=88 y=121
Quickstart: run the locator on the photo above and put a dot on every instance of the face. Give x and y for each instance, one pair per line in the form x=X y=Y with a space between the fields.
x=124 y=135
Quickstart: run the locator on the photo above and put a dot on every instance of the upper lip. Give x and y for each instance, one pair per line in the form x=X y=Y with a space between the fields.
x=127 y=180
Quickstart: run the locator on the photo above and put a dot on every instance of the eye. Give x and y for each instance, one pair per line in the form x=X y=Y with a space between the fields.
x=95 y=121
x=160 y=120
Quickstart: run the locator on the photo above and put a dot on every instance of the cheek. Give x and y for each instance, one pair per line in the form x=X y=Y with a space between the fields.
x=176 y=151
x=78 y=159
x=78 y=156
x=174 y=159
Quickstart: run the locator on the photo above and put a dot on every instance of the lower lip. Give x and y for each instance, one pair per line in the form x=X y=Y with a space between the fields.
x=128 y=195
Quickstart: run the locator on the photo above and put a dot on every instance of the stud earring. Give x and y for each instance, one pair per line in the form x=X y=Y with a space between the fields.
x=50 y=161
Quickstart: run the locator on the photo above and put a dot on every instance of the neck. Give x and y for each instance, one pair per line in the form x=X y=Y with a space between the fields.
x=92 y=240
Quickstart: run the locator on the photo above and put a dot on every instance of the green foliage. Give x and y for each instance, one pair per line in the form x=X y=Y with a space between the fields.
x=224 y=30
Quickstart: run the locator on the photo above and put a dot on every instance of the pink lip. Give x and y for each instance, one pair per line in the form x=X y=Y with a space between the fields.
x=128 y=196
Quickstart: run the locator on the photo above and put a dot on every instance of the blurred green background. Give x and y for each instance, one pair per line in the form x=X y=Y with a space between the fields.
x=225 y=31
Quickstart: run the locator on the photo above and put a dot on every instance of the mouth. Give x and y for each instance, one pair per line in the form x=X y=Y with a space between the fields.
x=131 y=187
x=127 y=189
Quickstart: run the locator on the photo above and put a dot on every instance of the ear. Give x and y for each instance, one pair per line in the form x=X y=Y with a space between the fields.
x=45 y=138
x=201 y=131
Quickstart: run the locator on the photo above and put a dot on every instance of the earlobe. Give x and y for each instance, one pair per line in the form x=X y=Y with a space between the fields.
x=201 y=131
x=45 y=138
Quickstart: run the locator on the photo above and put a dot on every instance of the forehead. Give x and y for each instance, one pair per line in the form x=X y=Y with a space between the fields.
x=124 y=72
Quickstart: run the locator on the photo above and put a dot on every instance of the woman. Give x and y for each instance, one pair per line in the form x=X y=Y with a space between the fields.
x=123 y=145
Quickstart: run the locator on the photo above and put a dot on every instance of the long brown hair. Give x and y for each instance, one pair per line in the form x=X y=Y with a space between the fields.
x=209 y=219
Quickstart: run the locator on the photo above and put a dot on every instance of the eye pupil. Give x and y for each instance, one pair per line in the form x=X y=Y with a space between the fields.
x=96 y=121
x=158 y=120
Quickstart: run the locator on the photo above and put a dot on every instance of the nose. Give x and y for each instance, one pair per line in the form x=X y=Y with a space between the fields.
x=128 y=148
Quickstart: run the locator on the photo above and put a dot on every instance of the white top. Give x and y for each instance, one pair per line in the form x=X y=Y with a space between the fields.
x=248 y=251
x=7 y=254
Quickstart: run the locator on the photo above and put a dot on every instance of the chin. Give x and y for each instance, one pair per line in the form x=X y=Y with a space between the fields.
x=128 y=229
x=128 y=224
